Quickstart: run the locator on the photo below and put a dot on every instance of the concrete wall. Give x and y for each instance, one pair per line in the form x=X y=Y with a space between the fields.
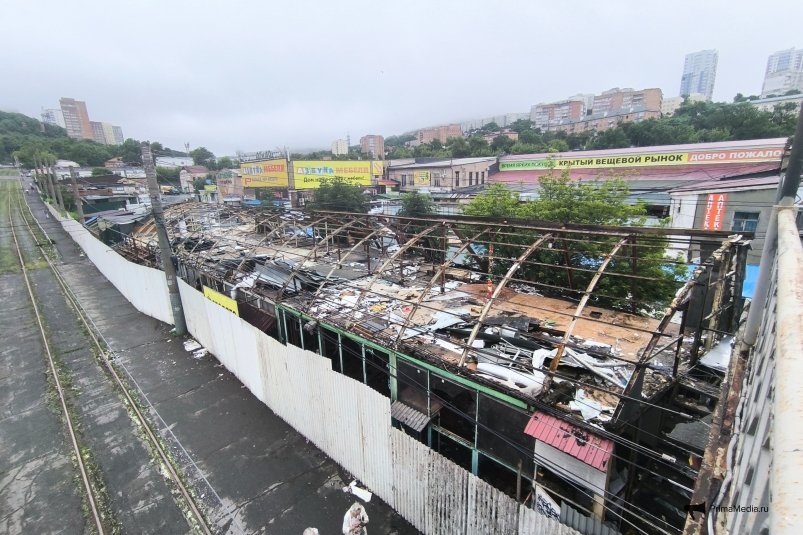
x=761 y=491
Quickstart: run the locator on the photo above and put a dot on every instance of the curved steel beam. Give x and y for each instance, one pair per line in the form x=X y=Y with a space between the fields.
x=581 y=305
x=501 y=286
x=394 y=256
x=439 y=272
x=312 y=252
x=356 y=245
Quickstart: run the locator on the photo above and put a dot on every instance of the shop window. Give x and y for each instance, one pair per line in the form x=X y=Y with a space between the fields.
x=309 y=335
x=745 y=221
x=501 y=433
x=293 y=334
x=412 y=386
x=453 y=450
x=502 y=477
x=330 y=348
x=352 y=359
x=376 y=370
x=459 y=407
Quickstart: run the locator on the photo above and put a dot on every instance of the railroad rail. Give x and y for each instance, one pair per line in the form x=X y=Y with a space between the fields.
x=193 y=512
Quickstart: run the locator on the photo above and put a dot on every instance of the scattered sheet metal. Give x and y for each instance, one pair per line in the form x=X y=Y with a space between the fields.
x=720 y=355
x=531 y=383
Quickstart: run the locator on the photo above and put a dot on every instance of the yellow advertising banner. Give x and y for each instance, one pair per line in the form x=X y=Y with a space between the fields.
x=421 y=178
x=308 y=174
x=760 y=154
x=226 y=302
x=265 y=174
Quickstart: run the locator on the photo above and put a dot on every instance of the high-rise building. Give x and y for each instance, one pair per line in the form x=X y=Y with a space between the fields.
x=118 y=135
x=53 y=116
x=784 y=73
x=699 y=73
x=373 y=145
x=340 y=147
x=97 y=132
x=545 y=115
x=76 y=118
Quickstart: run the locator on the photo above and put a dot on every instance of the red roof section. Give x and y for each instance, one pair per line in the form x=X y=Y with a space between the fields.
x=579 y=443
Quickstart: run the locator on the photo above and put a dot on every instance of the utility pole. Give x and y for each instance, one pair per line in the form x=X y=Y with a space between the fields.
x=48 y=179
x=56 y=186
x=164 y=242
x=78 y=206
x=787 y=189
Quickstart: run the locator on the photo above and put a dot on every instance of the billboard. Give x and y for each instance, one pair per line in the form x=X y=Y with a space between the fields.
x=308 y=174
x=421 y=178
x=223 y=300
x=265 y=174
x=760 y=154
x=714 y=211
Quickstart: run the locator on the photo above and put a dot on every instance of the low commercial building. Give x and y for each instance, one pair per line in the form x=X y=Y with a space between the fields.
x=189 y=175
x=440 y=175
x=734 y=205
x=651 y=172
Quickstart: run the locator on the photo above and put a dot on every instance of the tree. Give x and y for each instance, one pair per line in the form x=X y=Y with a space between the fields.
x=458 y=147
x=416 y=204
x=495 y=201
x=100 y=171
x=130 y=152
x=203 y=156
x=337 y=195
x=478 y=146
x=501 y=144
x=226 y=163
x=521 y=125
x=562 y=200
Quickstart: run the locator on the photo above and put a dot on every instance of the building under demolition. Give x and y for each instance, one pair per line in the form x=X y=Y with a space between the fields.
x=575 y=368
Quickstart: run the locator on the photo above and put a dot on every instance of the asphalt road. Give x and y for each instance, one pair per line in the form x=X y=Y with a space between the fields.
x=254 y=473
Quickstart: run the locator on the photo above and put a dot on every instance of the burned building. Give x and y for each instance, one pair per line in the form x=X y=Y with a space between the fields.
x=575 y=368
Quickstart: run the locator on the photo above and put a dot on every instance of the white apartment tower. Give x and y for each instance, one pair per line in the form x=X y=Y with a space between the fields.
x=784 y=73
x=699 y=73
x=340 y=147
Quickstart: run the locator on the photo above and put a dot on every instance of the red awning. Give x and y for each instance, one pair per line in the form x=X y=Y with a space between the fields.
x=577 y=442
x=388 y=183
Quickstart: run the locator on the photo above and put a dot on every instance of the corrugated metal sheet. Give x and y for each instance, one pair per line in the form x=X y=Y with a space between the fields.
x=584 y=524
x=144 y=287
x=579 y=443
x=532 y=522
x=410 y=417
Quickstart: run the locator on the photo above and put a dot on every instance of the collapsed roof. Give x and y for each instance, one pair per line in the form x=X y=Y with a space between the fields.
x=481 y=297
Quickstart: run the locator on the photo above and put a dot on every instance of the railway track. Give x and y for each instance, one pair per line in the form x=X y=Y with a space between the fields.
x=94 y=491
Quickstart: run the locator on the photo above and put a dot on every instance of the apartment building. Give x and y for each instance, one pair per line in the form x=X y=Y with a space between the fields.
x=784 y=73
x=699 y=73
x=76 y=118
x=373 y=145
x=441 y=133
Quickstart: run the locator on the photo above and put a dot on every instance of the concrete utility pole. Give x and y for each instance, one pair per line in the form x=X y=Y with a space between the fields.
x=164 y=242
x=78 y=206
x=787 y=190
x=56 y=186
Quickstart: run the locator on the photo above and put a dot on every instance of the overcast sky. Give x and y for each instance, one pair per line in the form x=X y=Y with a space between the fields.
x=255 y=75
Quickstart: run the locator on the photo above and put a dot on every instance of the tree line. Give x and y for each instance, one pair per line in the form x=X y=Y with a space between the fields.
x=693 y=122
x=24 y=137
